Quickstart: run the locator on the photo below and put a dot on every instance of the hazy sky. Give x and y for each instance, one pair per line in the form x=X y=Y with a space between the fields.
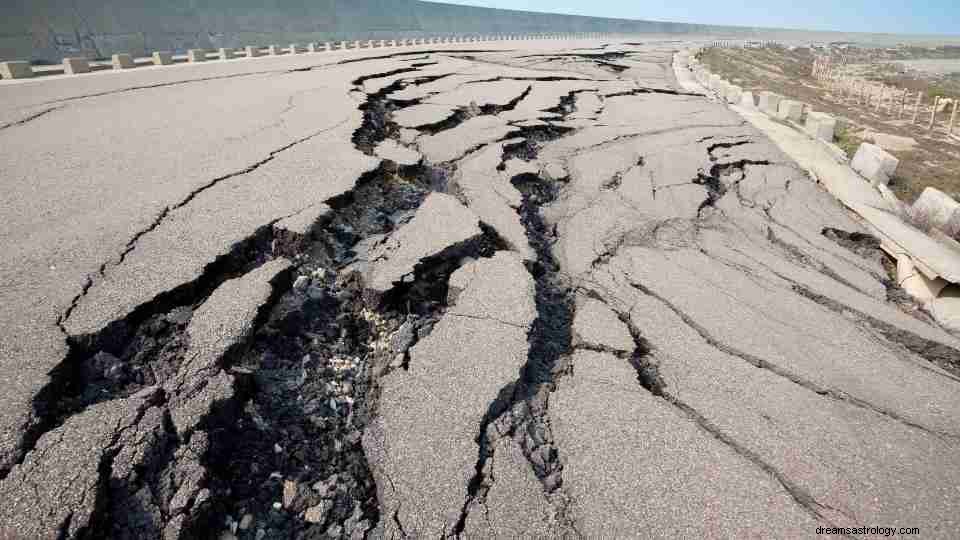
x=904 y=16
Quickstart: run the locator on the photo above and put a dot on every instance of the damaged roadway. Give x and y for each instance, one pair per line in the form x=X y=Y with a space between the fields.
x=528 y=289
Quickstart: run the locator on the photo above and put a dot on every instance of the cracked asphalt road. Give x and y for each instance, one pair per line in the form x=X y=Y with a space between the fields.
x=520 y=290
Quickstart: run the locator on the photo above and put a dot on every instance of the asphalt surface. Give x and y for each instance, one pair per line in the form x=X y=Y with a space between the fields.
x=495 y=290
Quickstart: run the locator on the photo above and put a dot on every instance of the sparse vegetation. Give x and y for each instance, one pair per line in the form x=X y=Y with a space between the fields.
x=935 y=161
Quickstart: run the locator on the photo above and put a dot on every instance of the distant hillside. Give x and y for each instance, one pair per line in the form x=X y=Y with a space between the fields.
x=51 y=29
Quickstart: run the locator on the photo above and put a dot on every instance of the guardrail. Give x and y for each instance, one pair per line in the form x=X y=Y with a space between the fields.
x=81 y=65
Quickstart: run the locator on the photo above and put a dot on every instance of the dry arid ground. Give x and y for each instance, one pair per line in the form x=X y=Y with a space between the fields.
x=934 y=161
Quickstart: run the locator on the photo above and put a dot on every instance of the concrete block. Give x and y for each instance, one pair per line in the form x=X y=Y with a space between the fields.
x=746 y=100
x=936 y=208
x=770 y=102
x=344 y=46
x=313 y=47
x=74 y=66
x=369 y=44
x=734 y=94
x=162 y=58
x=790 y=110
x=252 y=52
x=274 y=50
x=915 y=283
x=122 y=61
x=383 y=43
x=197 y=55
x=821 y=126
x=293 y=48
x=874 y=164
x=226 y=54
x=16 y=70
x=946 y=308
x=393 y=43
x=356 y=44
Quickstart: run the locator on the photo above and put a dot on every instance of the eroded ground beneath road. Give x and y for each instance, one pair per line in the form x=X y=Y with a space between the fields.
x=502 y=295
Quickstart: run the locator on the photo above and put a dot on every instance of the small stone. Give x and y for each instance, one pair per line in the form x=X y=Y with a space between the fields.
x=289 y=493
x=277 y=505
x=404 y=337
x=551 y=482
x=301 y=283
x=246 y=521
x=180 y=316
x=318 y=513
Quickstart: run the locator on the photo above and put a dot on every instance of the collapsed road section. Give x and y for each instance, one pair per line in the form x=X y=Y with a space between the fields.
x=478 y=294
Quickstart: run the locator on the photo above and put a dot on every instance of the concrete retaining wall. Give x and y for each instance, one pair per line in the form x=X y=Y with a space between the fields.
x=53 y=29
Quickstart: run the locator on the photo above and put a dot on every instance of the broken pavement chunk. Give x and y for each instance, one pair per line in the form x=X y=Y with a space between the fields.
x=456 y=373
x=397 y=153
x=455 y=142
x=223 y=322
x=515 y=507
x=596 y=325
x=53 y=493
x=440 y=223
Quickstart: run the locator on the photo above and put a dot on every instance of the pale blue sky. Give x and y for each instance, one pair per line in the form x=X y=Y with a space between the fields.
x=905 y=17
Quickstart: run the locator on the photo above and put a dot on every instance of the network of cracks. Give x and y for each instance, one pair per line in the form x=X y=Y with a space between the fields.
x=279 y=452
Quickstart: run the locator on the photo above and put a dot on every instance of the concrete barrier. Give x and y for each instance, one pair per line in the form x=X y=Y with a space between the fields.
x=274 y=50
x=75 y=66
x=714 y=81
x=343 y=46
x=734 y=94
x=162 y=58
x=252 y=52
x=226 y=54
x=874 y=164
x=936 y=208
x=770 y=102
x=16 y=70
x=293 y=48
x=356 y=44
x=790 y=110
x=946 y=308
x=122 y=61
x=915 y=283
x=197 y=55
x=313 y=47
x=383 y=43
x=821 y=126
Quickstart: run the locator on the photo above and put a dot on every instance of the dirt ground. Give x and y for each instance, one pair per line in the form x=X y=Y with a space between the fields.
x=934 y=161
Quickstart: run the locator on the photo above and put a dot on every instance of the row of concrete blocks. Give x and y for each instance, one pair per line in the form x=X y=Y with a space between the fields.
x=871 y=161
x=74 y=66
x=818 y=124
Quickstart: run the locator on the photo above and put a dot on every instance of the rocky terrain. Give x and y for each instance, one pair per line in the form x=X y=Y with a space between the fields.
x=496 y=292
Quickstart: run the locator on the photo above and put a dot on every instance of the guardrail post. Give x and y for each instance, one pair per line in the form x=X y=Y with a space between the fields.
x=76 y=66
x=122 y=61
x=16 y=70
x=162 y=58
